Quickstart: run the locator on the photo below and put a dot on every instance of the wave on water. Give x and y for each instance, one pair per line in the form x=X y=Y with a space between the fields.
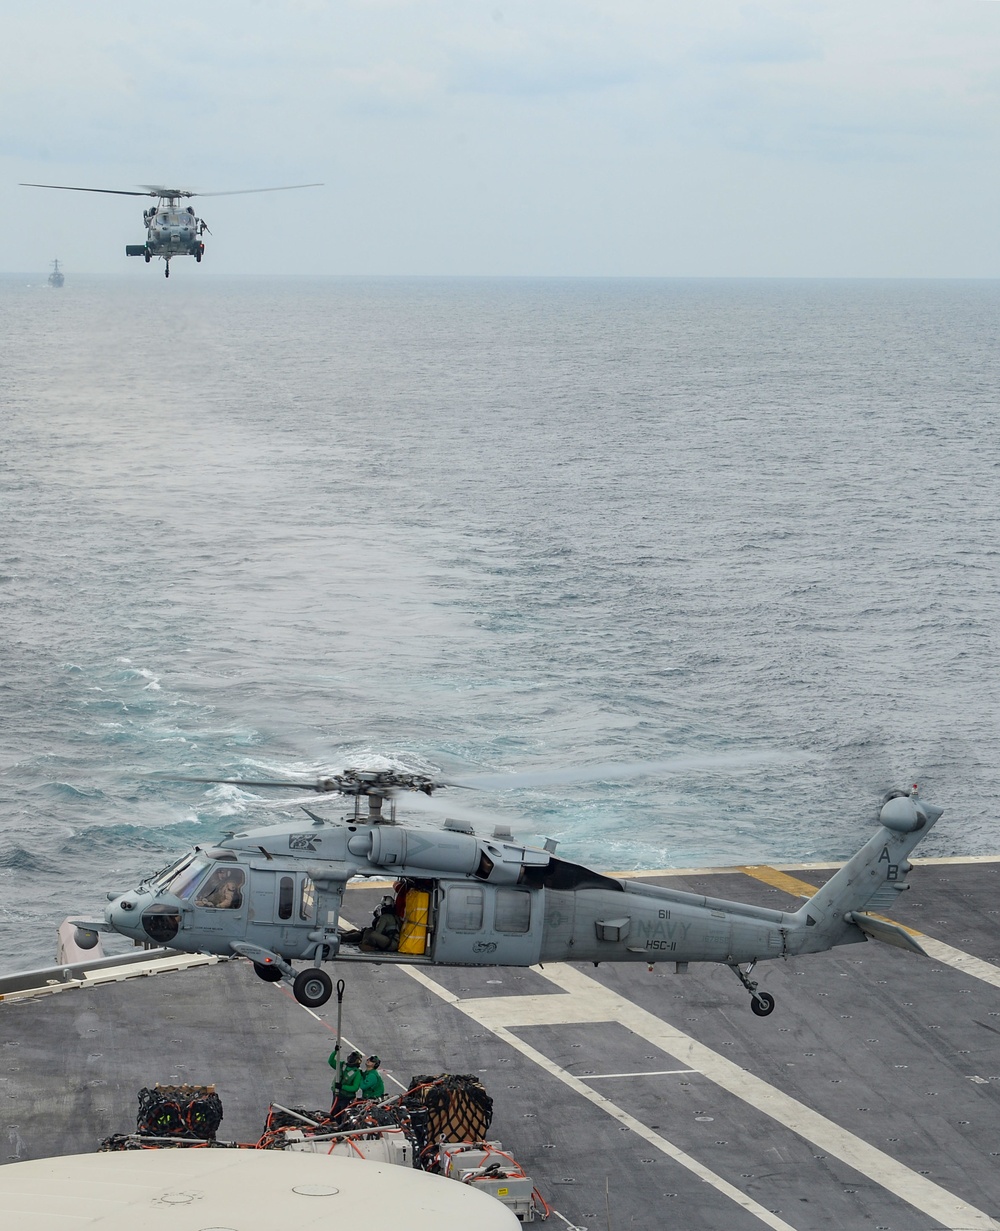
x=97 y=840
x=141 y=673
x=66 y=790
x=17 y=859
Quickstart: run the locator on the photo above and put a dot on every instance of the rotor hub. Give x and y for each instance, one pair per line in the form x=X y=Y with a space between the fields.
x=376 y=782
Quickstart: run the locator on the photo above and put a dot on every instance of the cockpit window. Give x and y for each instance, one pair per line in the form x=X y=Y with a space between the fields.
x=223 y=890
x=161 y=878
x=185 y=880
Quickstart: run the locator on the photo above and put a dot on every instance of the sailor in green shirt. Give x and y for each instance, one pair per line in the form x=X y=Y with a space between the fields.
x=349 y=1084
x=372 y=1085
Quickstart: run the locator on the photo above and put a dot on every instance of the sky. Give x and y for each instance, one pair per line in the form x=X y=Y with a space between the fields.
x=625 y=138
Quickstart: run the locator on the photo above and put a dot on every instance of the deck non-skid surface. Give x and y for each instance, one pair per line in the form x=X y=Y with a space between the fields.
x=869 y=1099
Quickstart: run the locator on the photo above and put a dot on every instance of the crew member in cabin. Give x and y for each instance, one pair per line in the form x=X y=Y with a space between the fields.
x=383 y=935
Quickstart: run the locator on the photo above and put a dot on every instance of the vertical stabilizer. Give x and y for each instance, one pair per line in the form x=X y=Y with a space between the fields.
x=872 y=879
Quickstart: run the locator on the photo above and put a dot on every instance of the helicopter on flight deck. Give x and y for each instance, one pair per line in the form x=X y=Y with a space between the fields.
x=172 y=229
x=274 y=895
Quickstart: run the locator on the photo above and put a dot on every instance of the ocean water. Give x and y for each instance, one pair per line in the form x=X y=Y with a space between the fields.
x=286 y=526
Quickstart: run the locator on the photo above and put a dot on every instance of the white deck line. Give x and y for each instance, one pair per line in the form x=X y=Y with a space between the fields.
x=572 y=1225
x=965 y=962
x=651 y=1073
x=589 y=1001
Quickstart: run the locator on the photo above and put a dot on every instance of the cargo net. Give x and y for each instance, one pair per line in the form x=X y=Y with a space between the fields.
x=172 y=1116
x=447 y=1108
x=179 y=1111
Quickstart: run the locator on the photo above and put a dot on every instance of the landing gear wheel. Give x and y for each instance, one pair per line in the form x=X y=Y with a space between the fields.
x=762 y=1004
x=197 y=257
x=270 y=974
x=312 y=988
x=148 y=256
x=166 y=272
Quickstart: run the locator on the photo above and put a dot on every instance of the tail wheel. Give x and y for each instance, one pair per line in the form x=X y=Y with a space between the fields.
x=762 y=1004
x=313 y=988
x=270 y=974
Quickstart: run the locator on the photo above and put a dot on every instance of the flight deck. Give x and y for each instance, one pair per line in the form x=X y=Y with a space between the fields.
x=869 y=1100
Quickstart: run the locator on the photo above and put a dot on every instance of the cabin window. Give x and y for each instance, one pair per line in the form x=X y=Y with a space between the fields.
x=513 y=910
x=223 y=890
x=286 y=891
x=465 y=909
x=307 y=904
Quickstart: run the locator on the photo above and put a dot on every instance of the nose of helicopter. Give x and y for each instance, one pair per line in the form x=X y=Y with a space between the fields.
x=124 y=912
x=143 y=917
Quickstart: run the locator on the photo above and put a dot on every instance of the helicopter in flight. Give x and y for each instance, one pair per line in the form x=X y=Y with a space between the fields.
x=274 y=895
x=172 y=228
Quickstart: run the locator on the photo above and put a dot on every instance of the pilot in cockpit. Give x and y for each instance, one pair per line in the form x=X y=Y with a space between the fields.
x=222 y=890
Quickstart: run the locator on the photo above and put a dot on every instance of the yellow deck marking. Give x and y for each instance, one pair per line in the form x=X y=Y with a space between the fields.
x=779 y=880
x=586 y=1000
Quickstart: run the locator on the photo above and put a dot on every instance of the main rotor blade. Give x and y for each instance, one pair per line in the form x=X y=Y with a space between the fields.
x=118 y=192
x=323 y=786
x=241 y=192
x=619 y=772
x=446 y=808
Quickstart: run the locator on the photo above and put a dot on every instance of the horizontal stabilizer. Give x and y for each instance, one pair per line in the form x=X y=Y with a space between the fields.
x=887 y=932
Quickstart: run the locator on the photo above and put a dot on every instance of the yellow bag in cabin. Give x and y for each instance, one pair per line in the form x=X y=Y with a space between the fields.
x=413 y=933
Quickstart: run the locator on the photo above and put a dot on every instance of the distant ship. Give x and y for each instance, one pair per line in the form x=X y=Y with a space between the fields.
x=56 y=277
